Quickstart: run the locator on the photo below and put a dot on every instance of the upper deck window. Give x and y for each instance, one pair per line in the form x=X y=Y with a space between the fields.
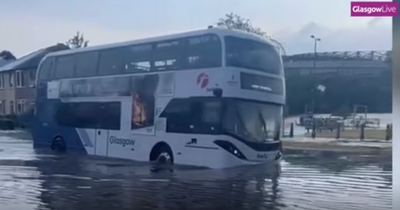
x=111 y=61
x=185 y=53
x=250 y=54
x=204 y=52
x=45 y=69
x=65 y=67
x=86 y=64
x=188 y=53
x=138 y=58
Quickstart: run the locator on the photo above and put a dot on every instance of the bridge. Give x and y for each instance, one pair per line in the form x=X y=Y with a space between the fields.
x=333 y=64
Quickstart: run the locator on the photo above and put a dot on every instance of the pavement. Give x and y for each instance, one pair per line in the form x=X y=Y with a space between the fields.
x=336 y=144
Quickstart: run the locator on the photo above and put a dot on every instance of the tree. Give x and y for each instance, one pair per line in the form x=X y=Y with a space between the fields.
x=234 y=21
x=77 y=41
x=7 y=55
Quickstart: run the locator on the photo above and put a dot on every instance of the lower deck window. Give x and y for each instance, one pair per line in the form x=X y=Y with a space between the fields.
x=96 y=115
x=250 y=120
x=193 y=116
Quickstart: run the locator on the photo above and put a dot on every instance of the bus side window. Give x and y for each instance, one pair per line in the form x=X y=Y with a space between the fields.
x=211 y=112
x=77 y=115
x=86 y=115
x=111 y=61
x=45 y=71
x=207 y=116
x=110 y=119
x=64 y=67
x=86 y=64
x=138 y=58
x=178 y=115
x=168 y=55
x=204 y=52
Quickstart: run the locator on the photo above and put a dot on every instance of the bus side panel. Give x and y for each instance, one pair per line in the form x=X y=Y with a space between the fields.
x=45 y=128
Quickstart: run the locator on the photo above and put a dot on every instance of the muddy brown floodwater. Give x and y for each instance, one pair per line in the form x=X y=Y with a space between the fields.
x=305 y=180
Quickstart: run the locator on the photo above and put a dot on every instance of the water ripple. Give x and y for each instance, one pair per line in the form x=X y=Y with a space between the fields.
x=306 y=181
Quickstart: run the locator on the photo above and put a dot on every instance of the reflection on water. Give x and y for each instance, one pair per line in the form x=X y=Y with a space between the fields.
x=305 y=180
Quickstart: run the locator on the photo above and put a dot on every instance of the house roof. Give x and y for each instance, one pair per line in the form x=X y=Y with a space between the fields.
x=4 y=61
x=31 y=60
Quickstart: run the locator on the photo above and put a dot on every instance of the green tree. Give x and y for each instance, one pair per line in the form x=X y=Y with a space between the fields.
x=77 y=41
x=7 y=55
x=235 y=21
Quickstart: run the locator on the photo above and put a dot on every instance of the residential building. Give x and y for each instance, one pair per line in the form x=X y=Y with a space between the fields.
x=17 y=81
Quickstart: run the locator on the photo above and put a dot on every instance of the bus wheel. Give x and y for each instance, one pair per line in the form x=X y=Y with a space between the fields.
x=162 y=154
x=58 y=144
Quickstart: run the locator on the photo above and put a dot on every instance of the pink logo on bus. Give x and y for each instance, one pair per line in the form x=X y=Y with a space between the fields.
x=202 y=80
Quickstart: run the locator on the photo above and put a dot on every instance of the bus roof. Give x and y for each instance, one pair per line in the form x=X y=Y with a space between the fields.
x=218 y=31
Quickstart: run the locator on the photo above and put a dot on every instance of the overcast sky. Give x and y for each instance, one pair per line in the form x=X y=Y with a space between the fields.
x=26 y=26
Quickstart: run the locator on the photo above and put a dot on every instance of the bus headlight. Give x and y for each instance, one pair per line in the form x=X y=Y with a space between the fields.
x=229 y=147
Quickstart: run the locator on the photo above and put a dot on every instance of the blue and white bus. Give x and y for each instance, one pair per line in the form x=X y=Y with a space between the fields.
x=211 y=97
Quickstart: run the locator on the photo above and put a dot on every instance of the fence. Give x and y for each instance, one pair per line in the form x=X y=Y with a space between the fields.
x=340 y=132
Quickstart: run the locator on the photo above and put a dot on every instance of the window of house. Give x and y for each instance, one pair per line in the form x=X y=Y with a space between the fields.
x=2 y=80
x=3 y=107
x=32 y=78
x=11 y=79
x=20 y=79
x=20 y=106
x=11 y=107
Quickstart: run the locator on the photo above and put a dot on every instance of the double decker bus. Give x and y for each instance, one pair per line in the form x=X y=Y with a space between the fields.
x=211 y=97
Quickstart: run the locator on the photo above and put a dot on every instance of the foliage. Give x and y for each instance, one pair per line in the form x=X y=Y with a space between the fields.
x=235 y=21
x=7 y=55
x=77 y=41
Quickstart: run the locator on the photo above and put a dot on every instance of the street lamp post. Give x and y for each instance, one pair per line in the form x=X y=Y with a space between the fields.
x=316 y=40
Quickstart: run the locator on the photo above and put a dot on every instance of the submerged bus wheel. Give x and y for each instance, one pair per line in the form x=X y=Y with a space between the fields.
x=58 y=144
x=161 y=153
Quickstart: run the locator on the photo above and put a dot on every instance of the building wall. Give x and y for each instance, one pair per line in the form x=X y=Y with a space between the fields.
x=17 y=93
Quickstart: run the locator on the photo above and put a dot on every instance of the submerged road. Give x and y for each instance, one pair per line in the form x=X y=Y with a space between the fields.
x=305 y=180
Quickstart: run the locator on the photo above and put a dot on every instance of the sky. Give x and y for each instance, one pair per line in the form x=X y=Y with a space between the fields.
x=26 y=26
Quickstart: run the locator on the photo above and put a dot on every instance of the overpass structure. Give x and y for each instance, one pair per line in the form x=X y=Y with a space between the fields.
x=333 y=64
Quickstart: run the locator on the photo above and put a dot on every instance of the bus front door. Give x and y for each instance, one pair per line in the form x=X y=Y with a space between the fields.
x=101 y=142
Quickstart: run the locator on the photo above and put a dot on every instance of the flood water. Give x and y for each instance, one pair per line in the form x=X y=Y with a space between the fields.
x=305 y=180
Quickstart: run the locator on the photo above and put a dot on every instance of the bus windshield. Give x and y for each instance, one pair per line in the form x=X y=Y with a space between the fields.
x=250 y=54
x=253 y=121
